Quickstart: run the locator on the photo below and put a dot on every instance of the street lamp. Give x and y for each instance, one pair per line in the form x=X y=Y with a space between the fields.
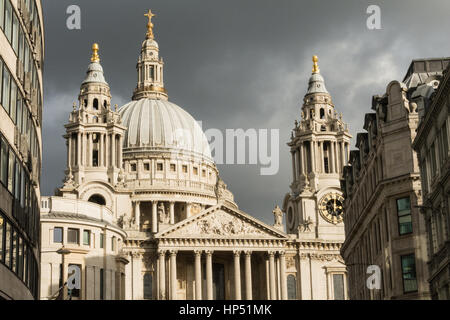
x=63 y=252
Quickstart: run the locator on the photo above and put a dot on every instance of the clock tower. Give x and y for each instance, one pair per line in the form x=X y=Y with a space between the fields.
x=319 y=147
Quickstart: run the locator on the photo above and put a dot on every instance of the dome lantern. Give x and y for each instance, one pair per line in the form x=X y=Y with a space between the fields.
x=150 y=83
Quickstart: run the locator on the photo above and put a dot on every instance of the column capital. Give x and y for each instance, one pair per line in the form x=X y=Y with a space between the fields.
x=209 y=252
x=271 y=253
x=173 y=252
x=162 y=252
x=248 y=252
x=236 y=253
x=281 y=253
x=198 y=252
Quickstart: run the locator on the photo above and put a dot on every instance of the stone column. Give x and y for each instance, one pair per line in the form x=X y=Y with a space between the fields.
x=198 y=274
x=294 y=171
x=273 y=293
x=69 y=151
x=300 y=160
x=91 y=149
x=322 y=158
x=79 y=149
x=137 y=214
x=283 y=279
x=118 y=151
x=333 y=157
x=155 y=216
x=188 y=209
x=107 y=142
x=209 y=276
x=248 y=275
x=173 y=275
x=100 y=150
x=267 y=277
x=313 y=156
x=162 y=275
x=113 y=150
x=237 y=275
x=172 y=212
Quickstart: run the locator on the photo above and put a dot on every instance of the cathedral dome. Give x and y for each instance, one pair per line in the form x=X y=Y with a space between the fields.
x=160 y=125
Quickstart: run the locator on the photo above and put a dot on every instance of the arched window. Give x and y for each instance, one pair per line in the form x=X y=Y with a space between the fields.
x=322 y=113
x=95 y=104
x=291 y=287
x=98 y=199
x=148 y=286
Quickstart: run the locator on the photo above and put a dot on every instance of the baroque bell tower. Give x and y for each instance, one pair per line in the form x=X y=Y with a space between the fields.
x=94 y=133
x=319 y=147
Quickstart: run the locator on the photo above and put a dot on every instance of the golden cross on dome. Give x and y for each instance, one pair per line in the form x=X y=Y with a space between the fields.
x=95 y=56
x=150 y=25
x=316 y=69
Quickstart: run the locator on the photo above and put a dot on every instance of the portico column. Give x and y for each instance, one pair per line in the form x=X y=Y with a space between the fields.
x=173 y=275
x=198 y=275
x=209 y=277
x=172 y=212
x=273 y=293
x=155 y=216
x=162 y=275
x=188 y=209
x=137 y=214
x=299 y=163
x=283 y=275
x=248 y=275
x=237 y=274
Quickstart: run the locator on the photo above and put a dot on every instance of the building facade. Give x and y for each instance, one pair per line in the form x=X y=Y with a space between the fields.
x=21 y=91
x=381 y=184
x=432 y=147
x=149 y=165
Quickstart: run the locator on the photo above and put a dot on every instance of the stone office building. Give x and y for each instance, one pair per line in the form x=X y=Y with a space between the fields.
x=21 y=88
x=382 y=188
x=432 y=146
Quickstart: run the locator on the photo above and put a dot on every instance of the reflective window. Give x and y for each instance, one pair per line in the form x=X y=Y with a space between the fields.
x=404 y=216
x=86 y=237
x=147 y=286
x=338 y=285
x=291 y=287
x=73 y=236
x=58 y=235
x=409 y=273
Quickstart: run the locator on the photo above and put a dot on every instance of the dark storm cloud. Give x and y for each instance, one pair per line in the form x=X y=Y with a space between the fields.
x=238 y=64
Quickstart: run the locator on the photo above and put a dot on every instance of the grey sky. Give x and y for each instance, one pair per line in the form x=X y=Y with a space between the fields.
x=238 y=64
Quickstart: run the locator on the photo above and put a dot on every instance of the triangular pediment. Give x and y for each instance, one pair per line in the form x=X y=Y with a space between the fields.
x=221 y=221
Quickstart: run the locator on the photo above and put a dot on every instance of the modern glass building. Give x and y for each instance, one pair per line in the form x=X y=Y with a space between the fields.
x=21 y=91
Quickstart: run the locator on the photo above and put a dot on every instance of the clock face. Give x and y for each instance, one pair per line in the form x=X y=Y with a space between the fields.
x=331 y=208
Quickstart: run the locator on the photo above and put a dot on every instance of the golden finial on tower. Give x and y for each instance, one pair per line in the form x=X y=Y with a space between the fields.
x=150 y=25
x=315 y=69
x=95 y=56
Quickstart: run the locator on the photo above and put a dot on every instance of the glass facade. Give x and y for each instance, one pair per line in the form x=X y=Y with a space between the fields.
x=20 y=145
